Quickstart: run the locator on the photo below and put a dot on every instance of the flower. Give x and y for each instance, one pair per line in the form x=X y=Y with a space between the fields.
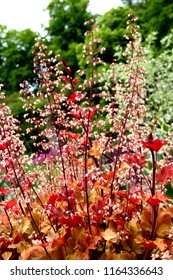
x=152 y=144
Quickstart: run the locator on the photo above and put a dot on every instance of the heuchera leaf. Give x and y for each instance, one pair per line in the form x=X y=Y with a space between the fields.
x=109 y=234
x=153 y=201
x=149 y=244
x=52 y=199
x=72 y=135
x=164 y=174
x=4 y=191
x=97 y=149
x=10 y=204
x=76 y=114
x=75 y=97
x=71 y=221
x=91 y=113
x=3 y=145
x=152 y=144
x=135 y=159
x=59 y=241
x=158 y=198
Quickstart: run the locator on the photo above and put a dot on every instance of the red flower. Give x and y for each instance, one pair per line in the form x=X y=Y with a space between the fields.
x=3 y=145
x=152 y=144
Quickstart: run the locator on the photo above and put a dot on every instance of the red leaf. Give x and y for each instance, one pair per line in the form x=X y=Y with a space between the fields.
x=3 y=145
x=75 y=97
x=72 y=135
x=164 y=174
x=91 y=113
x=152 y=144
x=153 y=201
x=10 y=204
x=59 y=241
x=135 y=159
x=122 y=193
x=4 y=191
x=52 y=199
x=76 y=114
x=149 y=244
x=75 y=81
x=158 y=198
x=71 y=221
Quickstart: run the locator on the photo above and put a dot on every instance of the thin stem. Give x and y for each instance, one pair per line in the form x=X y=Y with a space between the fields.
x=154 y=211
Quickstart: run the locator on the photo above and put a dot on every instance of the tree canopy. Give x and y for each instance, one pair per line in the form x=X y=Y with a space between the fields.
x=66 y=27
x=16 y=57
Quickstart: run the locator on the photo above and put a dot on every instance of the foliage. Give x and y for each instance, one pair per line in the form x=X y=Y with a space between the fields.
x=96 y=189
x=66 y=27
x=160 y=78
x=16 y=57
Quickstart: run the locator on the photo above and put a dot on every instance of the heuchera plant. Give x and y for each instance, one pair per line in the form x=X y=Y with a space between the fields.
x=95 y=187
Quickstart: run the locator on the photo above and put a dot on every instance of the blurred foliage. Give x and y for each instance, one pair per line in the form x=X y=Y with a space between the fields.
x=66 y=27
x=16 y=57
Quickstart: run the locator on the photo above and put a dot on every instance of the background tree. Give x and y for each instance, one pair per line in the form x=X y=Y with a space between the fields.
x=154 y=15
x=16 y=58
x=66 y=27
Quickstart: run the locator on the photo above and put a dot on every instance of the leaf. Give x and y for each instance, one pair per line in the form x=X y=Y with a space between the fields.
x=109 y=234
x=75 y=97
x=71 y=221
x=153 y=144
x=59 y=241
x=108 y=176
x=3 y=145
x=164 y=174
x=163 y=224
x=52 y=199
x=97 y=149
x=45 y=229
x=10 y=204
x=133 y=227
x=161 y=244
x=149 y=244
x=153 y=201
x=6 y=255
x=4 y=191
x=91 y=113
x=71 y=135
x=146 y=219
x=25 y=224
x=35 y=252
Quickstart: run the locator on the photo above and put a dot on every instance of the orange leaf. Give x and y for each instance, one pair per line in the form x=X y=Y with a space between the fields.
x=149 y=244
x=97 y=149
x=59 y=241
x=108 y=176
x=164 y=174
